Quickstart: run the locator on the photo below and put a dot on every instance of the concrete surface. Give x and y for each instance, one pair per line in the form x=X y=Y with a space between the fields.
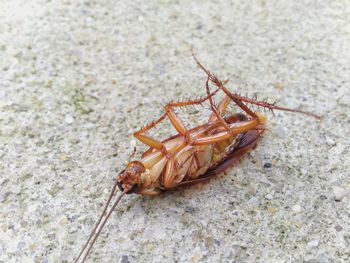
x=78 y=77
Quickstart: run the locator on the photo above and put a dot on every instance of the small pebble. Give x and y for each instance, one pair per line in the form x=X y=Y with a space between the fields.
x=340 y=193
x=2 y=94
x=313 y=243
x=323 y=197
x=72 y=230
x=51 y=236
x=125 y=259
x=24 y=223
x=254 y=201
x=64 y=157
x=63 y=221
x=69 y=119
x=303 y=171
x=217 y=242
x=281 y=132
x=140 y=18
x=279 y=86
x=252 y=190
x=344 y=99
x=296 y=209
x=269 y=196
x=21 y=245
x=330 y=141
x=338 y=228
x=322 y=258
x=90 y=79
x=195 y=258
x=272 y=209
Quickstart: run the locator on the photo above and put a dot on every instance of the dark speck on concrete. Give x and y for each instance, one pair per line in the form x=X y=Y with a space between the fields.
x=323 y=197
x=338 y=228
x=125 y=259
x=267 y=165
x=217 y=242
x=189 y=209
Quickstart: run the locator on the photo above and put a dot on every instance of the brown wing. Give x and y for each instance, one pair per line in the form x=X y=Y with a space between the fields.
x=247 y=143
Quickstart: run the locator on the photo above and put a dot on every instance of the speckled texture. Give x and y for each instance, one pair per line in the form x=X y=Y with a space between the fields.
x=78 y=77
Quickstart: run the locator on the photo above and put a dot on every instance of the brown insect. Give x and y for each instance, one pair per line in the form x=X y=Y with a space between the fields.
x=191 y=156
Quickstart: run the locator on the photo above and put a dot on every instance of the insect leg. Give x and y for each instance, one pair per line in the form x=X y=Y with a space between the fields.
x=216 y=115
x=221 y=108
x=174 y=119
x=238 y=99
x=217 y=111
x=221 y=86
x=235 y=129
x=264 y=104
x=148 y=140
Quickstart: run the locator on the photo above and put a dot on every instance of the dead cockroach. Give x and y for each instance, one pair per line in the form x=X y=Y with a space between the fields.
x=191 y=156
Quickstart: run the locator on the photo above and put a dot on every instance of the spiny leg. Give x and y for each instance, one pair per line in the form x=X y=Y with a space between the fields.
x=256 y=122
x=147 y=139
x=216 y=115
x=233 y=97
x=174 y=119
x=221 y=108
x=220 y=85
x=225 y=101
x=238 y=99
x=235 y=129
x=238 y=127
x=265 y=104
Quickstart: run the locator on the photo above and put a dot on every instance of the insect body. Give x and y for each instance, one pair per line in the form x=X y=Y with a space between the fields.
x=193 y=155
x=185 y=158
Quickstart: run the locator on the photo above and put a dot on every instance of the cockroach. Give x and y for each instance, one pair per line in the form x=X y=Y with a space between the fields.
x=193 y=155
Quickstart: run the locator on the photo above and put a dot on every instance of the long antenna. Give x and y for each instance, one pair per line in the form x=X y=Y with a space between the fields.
x=100 y=223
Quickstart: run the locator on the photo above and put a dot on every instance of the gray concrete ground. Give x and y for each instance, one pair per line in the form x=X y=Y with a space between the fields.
x=78 y=77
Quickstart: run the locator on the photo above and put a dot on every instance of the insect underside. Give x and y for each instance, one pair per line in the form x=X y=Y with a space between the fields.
x=185 y=158
x=193 y=155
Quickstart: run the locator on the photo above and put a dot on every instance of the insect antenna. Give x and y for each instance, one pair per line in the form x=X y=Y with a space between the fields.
x=100 y=223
